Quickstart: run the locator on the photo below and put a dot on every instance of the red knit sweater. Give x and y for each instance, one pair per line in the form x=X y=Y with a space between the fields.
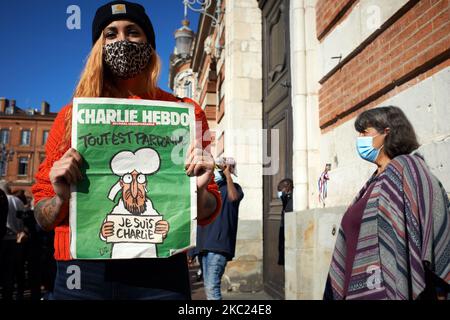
x=43 y=188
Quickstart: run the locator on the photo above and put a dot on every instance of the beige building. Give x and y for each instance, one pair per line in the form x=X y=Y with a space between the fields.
x=286 y=80
x=231 y=98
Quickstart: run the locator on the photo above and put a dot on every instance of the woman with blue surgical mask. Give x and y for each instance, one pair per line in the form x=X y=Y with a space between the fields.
x=394 y=239
x=370 y=145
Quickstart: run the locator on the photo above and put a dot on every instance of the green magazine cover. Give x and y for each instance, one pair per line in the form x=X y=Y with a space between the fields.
x=135 y=200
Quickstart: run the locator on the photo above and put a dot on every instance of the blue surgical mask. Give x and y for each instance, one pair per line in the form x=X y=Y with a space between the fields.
x=366 y=150
x=218 y=176
x=280 y=194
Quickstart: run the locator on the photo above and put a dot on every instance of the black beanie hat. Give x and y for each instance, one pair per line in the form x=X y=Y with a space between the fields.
x=122 y=10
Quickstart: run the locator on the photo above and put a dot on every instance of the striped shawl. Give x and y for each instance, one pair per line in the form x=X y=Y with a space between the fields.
x=405 y=228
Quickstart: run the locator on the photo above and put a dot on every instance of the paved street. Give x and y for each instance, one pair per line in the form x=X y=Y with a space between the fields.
x=198 y=292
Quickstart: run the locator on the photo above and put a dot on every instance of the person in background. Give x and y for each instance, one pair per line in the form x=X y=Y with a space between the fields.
x=47 y=263
x=14 y=237
x=216 y=242
x=3 y=214
x=20 y=194
x=22 y=262
x=285 y=188
x=30 y=252
x=194 y=260
x=394 y=239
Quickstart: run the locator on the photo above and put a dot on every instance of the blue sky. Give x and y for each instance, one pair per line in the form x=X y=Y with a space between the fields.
x=41 y=59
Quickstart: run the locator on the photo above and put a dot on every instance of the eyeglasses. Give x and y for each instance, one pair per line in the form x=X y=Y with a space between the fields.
x=128 y=178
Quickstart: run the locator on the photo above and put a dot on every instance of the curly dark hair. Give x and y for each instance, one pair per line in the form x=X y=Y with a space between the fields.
x=401 y=138
x=285 y=183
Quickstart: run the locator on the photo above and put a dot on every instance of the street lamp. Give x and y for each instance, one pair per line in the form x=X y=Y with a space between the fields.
x=183 y=39
x=203 y=9
x=6 y=156
x=204 y=6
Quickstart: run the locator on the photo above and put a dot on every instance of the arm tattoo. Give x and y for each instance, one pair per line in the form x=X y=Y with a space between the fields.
x=46 y=212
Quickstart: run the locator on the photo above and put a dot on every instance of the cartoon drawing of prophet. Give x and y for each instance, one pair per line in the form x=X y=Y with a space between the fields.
x=133 y=169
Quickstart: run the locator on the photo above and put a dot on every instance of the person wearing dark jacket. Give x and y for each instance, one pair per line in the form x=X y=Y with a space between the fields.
x=11 y=245
x=285 y=188
x=3 y=213
x=216 y=242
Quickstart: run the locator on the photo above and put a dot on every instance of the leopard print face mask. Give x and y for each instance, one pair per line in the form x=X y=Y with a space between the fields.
x=126 y=59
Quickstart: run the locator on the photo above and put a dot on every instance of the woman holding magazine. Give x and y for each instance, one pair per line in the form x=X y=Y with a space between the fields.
x=123 y=63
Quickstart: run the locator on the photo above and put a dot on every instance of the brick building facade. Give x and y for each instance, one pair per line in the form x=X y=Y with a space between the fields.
x=410 y=45
x=23 y=134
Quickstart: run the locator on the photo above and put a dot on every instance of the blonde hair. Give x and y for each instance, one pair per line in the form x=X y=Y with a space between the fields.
x=97 y=81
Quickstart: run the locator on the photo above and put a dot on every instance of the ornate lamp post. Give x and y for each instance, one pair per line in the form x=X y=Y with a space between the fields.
x=203 y=9
x=183 y=40
x=204 y=5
